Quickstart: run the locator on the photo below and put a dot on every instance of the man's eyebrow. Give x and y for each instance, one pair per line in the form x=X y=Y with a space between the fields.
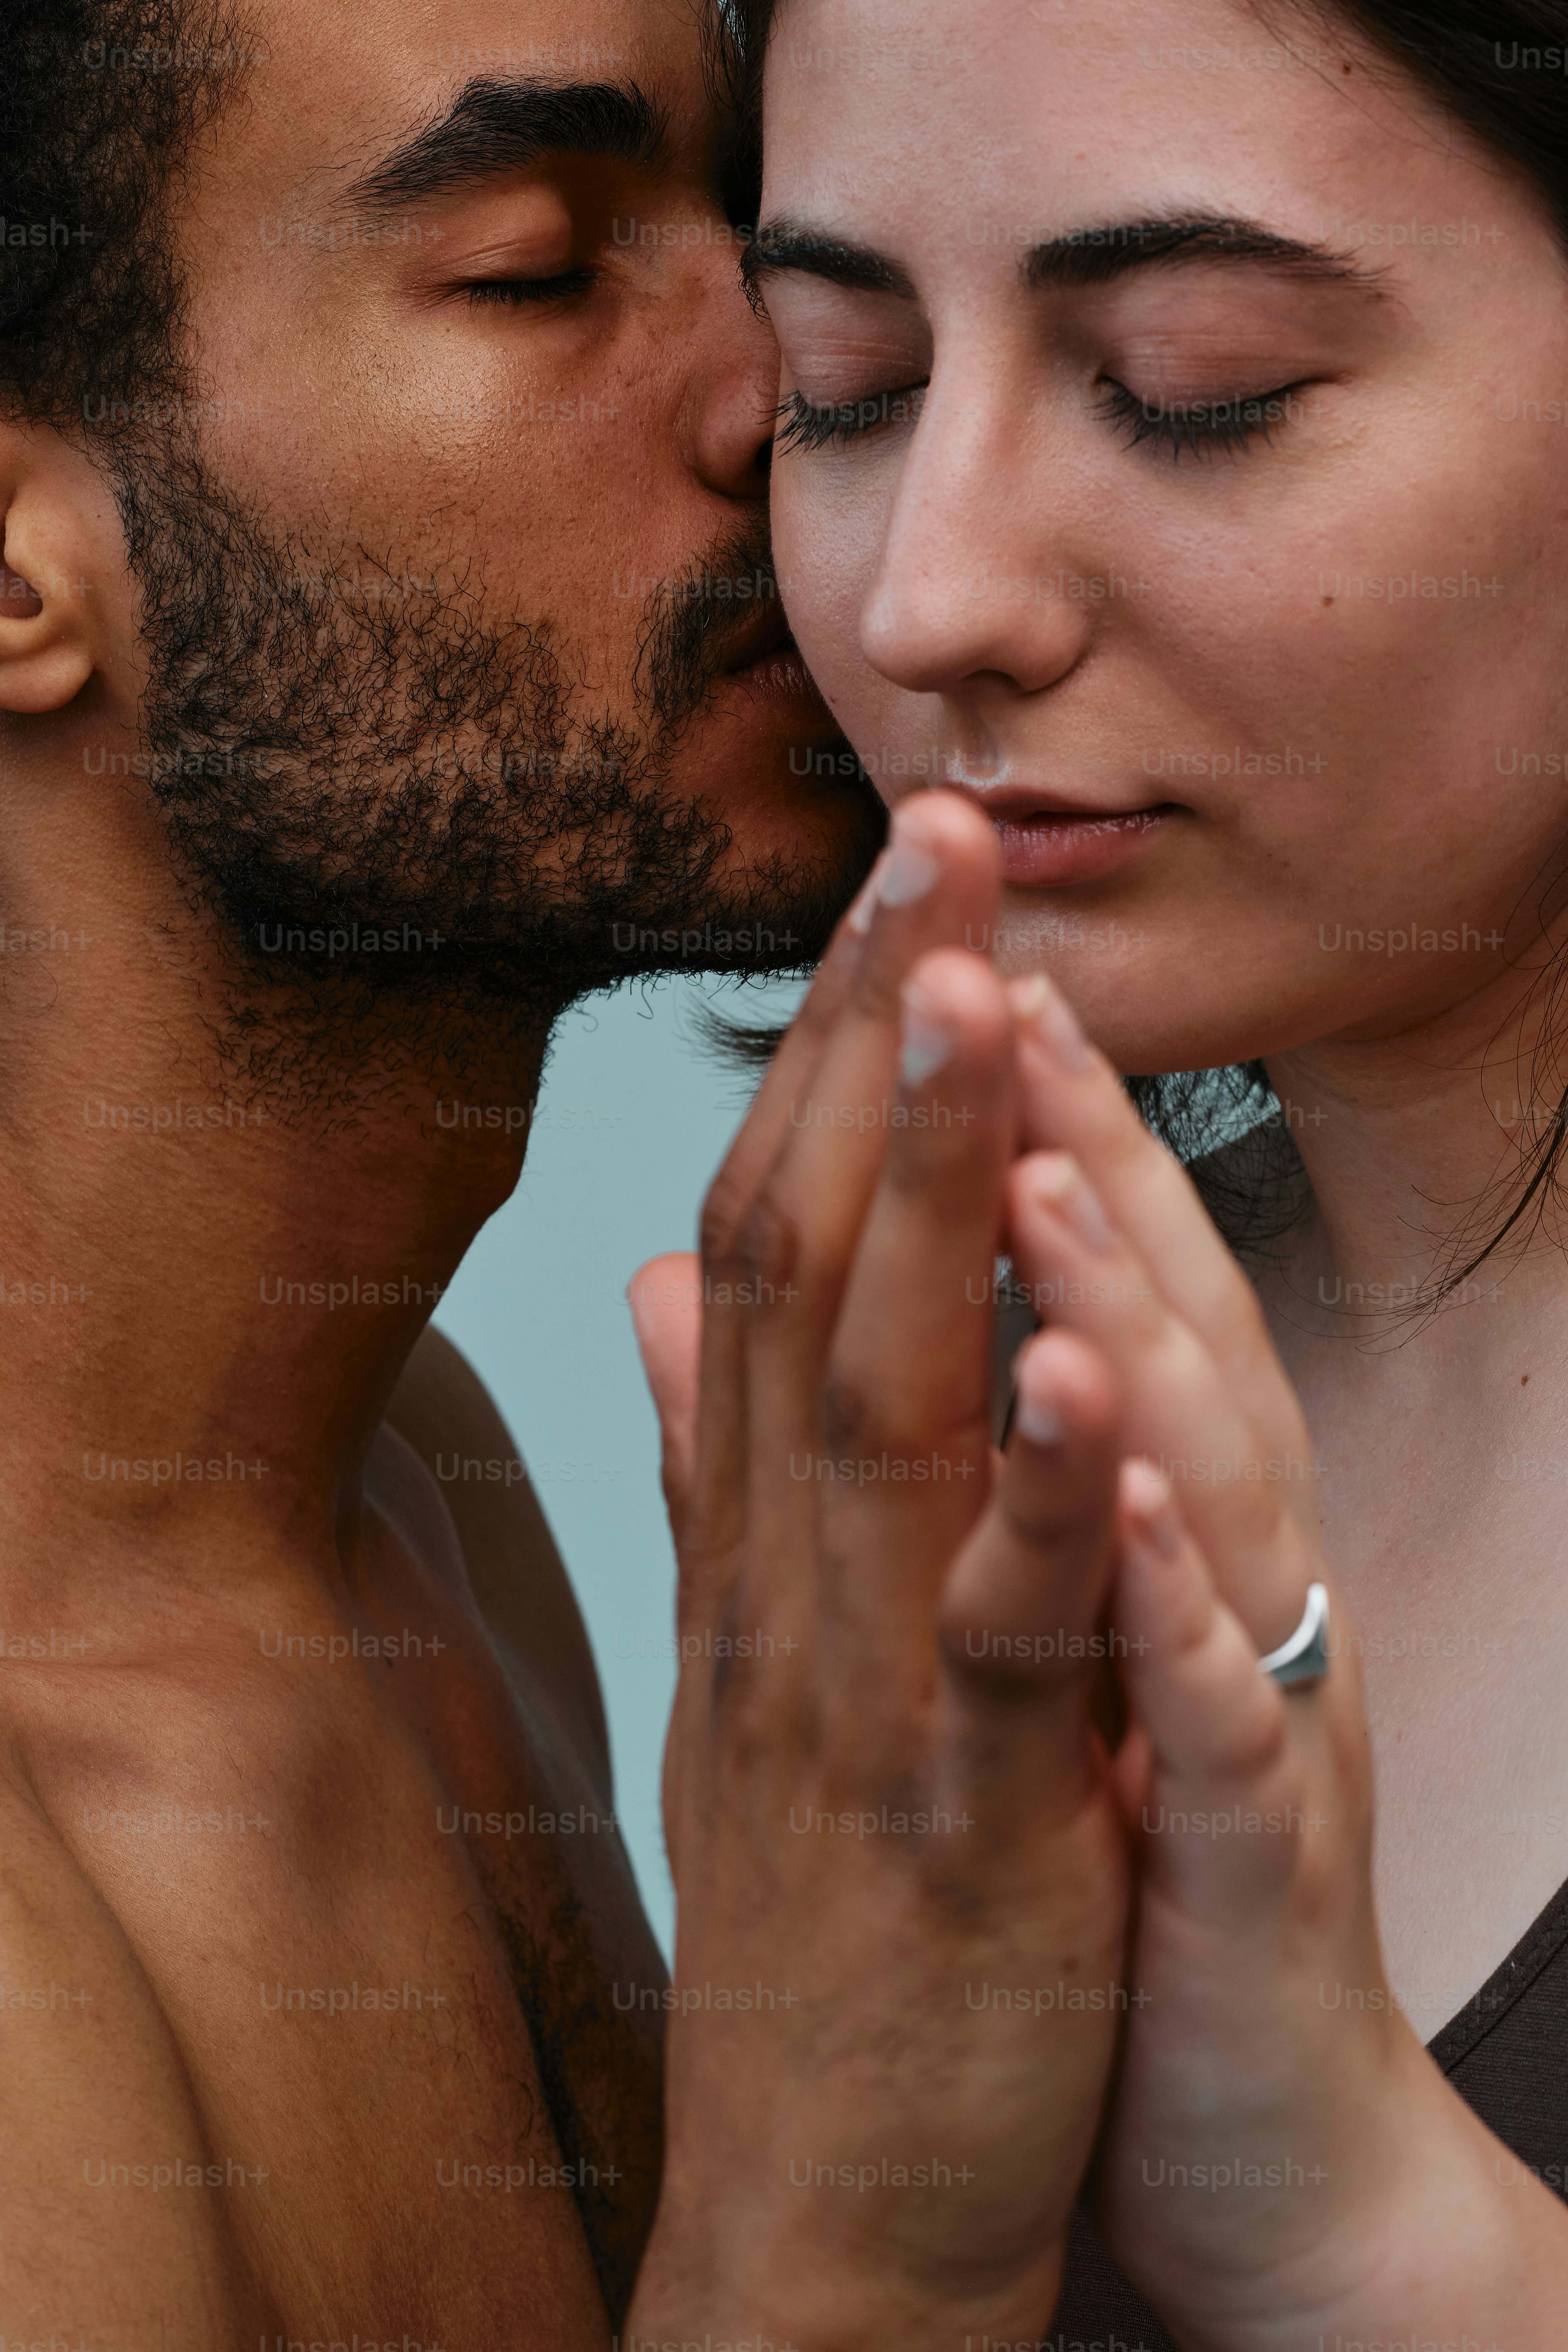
x=494 y=126
x=1095 y=256
x=787 y=245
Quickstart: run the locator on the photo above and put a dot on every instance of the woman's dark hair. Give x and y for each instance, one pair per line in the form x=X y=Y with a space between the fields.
x=1499 y=67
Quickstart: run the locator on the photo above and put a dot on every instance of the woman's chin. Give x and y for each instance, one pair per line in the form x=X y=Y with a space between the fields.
x=1148 y=1016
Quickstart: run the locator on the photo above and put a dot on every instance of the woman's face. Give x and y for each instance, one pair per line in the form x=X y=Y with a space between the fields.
x=1252 y=536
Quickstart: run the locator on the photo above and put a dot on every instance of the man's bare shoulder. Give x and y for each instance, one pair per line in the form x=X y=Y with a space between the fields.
x=442 y=1410
x=95 y=2096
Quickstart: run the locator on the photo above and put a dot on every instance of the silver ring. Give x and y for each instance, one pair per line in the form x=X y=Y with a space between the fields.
x=1304 y=1658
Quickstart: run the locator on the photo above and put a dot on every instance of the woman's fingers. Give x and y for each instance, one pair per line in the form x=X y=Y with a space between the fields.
x=1219 y=1774
x=1070 y=1098
x=1215 y=1727
x=1180 y=1408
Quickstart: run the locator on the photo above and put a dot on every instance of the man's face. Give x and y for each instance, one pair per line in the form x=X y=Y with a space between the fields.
x=457 y=604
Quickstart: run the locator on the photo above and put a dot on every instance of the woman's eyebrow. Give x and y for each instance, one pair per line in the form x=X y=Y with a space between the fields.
x=1095 y=256
x=1089 y=256
x=781 y=244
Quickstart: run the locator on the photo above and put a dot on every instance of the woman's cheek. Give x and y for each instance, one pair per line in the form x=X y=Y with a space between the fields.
x=826 y=545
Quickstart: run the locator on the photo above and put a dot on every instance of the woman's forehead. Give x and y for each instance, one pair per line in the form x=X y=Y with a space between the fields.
x=958 y=121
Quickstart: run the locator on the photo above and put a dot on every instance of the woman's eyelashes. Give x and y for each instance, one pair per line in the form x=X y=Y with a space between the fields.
x=1226 y=421
x=817 y=424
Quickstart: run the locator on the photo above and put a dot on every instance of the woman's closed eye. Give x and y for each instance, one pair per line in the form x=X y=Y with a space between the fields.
x=817 y=424
x=1200 y=426
x=1193 y=425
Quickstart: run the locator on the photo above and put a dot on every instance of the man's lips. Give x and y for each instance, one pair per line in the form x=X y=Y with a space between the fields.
x=766 y=661
x=766 y=633
x=1048 y=841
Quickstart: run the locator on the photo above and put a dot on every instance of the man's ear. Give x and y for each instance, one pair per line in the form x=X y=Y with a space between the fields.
x=60 y=569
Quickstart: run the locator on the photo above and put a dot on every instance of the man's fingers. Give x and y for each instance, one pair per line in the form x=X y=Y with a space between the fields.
x=766 y=1123
x=906 y=1397
x=907 y=872
x=666 y=1299
x=720 y=1436
x=935 y=889
x=1019 y=1614
x=1040 y=1557
x=798 y=1243
x=776 y=1252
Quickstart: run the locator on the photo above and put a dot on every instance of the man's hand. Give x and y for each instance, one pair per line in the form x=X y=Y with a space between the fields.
x=898 y=1860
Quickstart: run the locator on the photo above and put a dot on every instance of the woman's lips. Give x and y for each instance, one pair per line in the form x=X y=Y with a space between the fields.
x=1052 y=847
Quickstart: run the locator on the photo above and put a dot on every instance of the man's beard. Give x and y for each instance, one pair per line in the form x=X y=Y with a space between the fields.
x=343 y=753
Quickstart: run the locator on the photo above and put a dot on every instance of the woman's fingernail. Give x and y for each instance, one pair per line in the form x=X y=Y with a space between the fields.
x=1059 y=1182
x=1151 y=1512
x=923 y=1044
x=1160 y=1529
x=1055 y=1026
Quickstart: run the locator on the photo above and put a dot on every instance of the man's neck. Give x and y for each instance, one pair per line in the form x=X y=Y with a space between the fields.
x=197 y=1272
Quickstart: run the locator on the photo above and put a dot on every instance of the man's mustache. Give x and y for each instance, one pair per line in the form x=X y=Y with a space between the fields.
x=695 y=619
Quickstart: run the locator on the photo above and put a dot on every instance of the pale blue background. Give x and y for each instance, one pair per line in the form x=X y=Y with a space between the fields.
x=634 y=1118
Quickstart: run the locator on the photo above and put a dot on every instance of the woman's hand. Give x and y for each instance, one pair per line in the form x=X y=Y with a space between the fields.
x=890 y=1822
x=1283 y=2165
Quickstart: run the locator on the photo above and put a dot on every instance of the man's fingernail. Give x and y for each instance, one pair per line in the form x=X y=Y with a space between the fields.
x=864 y=904
x=1060 y=1181
x=906 y=874
x=906 y=870
x=1038 y=1421
x=923 y=1044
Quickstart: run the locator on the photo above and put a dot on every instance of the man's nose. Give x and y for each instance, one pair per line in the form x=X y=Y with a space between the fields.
x=735 y=400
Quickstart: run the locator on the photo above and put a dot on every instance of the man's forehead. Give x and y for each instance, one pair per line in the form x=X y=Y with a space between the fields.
x=326 y=95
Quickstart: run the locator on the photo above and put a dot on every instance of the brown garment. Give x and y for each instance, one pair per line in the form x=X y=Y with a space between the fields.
x=1506 y=2053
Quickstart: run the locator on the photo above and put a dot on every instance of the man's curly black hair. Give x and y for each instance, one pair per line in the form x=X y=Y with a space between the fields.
x=103 y=109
